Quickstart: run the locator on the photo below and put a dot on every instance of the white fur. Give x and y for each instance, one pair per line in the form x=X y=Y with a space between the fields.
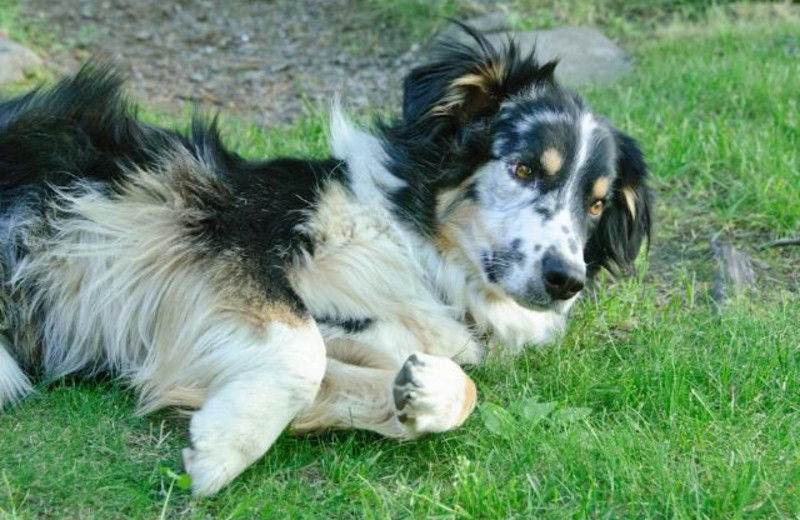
x=277 y=376
x=364 y=264
x=512 y=326
x=364 y=397
x=436 y=397
x=119 y=282
x=368 y=264
x=588 y=125
x=14 y=384
x=124 y=290
x=353 y=396
x=365 y=157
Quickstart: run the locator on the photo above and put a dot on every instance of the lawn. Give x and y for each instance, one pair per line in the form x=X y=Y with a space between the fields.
x=658 y=404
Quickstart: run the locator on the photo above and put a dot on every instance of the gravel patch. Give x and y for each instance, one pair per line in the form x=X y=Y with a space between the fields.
x=268 y=61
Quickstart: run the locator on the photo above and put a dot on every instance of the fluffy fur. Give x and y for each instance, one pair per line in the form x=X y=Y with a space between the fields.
x=322 y=294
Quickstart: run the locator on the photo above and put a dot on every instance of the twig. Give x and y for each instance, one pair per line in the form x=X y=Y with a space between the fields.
x=782 y=242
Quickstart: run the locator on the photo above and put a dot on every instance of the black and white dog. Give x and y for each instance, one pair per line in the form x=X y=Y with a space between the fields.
x=338 y=293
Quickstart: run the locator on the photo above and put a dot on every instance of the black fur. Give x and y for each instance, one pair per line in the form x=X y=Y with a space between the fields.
x=433 y=151
x=618 y=238
x=84 y=129
x=349 y=325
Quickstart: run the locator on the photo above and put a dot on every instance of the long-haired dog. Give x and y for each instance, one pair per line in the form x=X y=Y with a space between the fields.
x=338 y=293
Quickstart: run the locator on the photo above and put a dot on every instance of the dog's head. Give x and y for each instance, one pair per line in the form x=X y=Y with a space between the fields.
x=528 y=185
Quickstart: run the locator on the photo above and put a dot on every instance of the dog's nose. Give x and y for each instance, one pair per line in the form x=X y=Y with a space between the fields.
x=561 y=279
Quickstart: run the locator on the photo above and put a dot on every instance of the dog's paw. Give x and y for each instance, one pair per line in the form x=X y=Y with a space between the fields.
x=432 y=394
x=211 y=470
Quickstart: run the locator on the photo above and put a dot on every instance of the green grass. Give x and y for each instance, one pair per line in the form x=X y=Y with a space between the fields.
x=656 y=405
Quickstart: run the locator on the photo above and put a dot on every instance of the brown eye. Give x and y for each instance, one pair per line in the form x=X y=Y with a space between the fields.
x=596 y=208
x=522 y=172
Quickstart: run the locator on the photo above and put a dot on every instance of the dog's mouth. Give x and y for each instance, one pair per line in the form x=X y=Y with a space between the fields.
x=533 y=300
x=541 y=306
x=544 y=303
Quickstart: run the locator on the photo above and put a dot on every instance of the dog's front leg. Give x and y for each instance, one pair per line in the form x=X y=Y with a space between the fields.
x=427 y=394
x=260 y=386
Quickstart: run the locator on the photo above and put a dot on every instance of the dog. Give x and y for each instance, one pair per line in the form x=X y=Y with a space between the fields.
x=337 y=293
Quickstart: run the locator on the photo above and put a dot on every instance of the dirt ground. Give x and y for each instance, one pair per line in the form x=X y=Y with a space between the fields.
x=266 y=60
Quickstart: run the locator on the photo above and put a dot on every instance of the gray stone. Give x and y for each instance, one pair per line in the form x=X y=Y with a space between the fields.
x=16 y=61
x=488 y=23
x=586 y=56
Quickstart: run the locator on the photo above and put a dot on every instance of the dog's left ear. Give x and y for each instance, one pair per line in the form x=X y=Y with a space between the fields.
x=626 y=223
x=466 y=81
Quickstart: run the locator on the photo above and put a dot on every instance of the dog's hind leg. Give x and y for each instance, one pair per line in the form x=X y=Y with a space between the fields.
x=428 y=394
x=261 y=386
x=14 y=384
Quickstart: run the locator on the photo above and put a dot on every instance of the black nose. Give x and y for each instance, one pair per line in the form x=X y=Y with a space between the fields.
x=562 y=280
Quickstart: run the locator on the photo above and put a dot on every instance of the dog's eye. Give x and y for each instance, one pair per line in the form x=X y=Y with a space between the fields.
x=522 y=172
x=596 y=208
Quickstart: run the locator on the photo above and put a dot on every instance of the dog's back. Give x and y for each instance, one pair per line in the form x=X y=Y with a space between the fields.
x=103 y=217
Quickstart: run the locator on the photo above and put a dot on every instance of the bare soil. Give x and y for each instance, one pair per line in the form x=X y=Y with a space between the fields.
x=268 y=60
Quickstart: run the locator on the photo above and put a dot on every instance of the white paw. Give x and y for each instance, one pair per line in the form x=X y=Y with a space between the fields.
x=211 y=470
x=432 y=394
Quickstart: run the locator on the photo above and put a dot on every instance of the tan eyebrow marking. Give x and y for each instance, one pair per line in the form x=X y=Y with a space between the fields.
x=551 y=161
x=600 y=189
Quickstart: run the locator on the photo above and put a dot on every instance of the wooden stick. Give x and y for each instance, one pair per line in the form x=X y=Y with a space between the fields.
x=782 y=242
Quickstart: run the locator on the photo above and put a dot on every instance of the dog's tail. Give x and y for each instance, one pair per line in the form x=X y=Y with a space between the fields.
x=14 y=384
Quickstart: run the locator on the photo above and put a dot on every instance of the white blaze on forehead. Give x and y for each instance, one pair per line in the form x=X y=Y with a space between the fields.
x=587 y=134
x=586 y=137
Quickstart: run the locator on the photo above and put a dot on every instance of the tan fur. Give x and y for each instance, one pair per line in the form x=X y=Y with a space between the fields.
x=353 y=396
x=445 y=200
x=186 y=397
x=270 y=312
x=362 y=266
x=127 y=290
x=460 y=89
x=461 y=219
x=552 y=161
x=470 y=399
x=600 y=188
x=630 y=200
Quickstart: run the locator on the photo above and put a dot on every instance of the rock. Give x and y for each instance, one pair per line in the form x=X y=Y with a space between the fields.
x=16 y=61
x=488 y=23
x=586 y=56
x=734 y=272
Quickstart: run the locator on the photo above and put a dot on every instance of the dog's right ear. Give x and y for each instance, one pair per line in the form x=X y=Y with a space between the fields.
x=626 y=225
x=468 y=81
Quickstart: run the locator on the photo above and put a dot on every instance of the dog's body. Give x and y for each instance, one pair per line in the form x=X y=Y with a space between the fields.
x=326 y=294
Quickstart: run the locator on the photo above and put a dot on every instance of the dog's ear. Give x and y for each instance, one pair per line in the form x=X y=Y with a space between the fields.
x=627 y=221
x=466 y=81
